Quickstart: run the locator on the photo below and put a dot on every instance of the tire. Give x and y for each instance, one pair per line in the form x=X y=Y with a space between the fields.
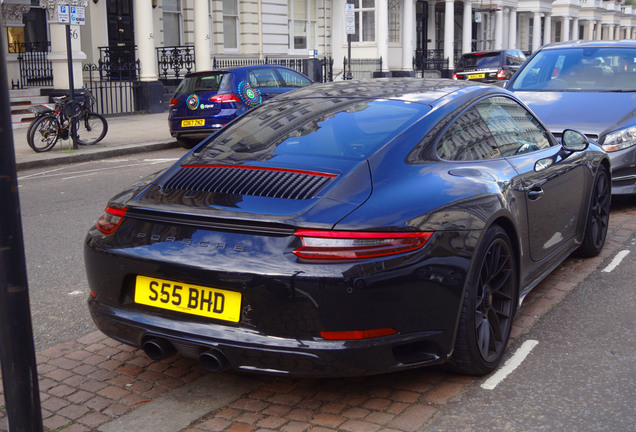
x=43 y=133
x=488 y=308
x=598 y=215
x=187 y=143
x=91 y=129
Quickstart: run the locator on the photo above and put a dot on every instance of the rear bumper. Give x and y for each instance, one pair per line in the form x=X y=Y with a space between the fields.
x=251 y=351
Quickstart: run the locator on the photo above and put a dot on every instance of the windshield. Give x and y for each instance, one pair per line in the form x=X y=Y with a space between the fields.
x=331 y=127
x=579 y=69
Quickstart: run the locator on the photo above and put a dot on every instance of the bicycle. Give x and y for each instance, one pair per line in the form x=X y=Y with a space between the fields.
x=71 y=118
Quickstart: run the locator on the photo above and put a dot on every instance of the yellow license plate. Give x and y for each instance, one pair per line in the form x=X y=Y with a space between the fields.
x=187 y=298
x=195 y=122
x=476 y=76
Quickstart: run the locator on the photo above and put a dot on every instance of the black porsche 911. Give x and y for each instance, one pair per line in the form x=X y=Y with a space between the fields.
x=349 y=228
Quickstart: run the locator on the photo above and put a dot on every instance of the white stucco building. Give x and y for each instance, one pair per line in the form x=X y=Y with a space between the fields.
x=400 y=32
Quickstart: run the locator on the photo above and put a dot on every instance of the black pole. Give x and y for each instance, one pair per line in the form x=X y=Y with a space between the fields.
x=17 y=352
x=349 y=75
x=71 y=84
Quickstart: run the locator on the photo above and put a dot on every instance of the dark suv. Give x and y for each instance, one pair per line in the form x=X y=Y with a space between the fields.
x=206 y=101
x=489 y=66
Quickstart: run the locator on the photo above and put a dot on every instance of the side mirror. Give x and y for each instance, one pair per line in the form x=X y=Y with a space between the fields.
x=574 y=141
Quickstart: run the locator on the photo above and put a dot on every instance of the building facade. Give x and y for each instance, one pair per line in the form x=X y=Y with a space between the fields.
x=166 y=38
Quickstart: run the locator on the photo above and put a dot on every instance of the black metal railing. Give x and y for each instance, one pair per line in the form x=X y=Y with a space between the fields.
x=35 y=67
x=301 y=65
x=174 y=62
x=20 y=47
x=113 y=96
x=362 y=68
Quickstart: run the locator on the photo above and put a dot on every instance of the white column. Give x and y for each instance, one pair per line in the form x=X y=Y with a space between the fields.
x=145 y=40
x=599 y=30
x=565 y=29
x=617 y=34
x=383 y=32
x=202 y=40
x=512 y=41
x=536 y=31
x=575 y=29
x=338 y=36
x=431 y=26
x=590 y=30
x=449 y=32
x=59 y=56
x=499 y=29
x=467 y=27
x=506 y=28
x=547 y=29
x=408 y=34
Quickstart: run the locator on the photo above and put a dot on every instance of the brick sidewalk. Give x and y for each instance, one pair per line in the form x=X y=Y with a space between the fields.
x=91 y=381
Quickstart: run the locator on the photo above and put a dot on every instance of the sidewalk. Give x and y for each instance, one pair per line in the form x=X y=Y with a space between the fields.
x=95 y=383
x=126 y=134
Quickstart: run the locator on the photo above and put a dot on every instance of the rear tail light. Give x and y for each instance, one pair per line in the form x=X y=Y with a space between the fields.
x=501 y=74
x=351 y=245
x=357 y=334
x=173 y=102
x=454 y=76
x=224 y=98
x=110 y=220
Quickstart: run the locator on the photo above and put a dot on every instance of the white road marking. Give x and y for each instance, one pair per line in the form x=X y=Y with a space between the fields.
x=510 y=365
x=67 y=175
x=74 y=293
x=616 y=261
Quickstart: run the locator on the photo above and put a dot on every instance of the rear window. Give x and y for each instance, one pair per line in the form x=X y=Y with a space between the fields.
x=479 y=60
x=328 y=127
x=213 y=82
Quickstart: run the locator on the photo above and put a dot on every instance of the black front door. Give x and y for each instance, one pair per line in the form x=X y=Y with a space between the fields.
x=121 y=39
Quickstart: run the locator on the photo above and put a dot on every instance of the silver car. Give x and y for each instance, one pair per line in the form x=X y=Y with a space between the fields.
x=589 y=86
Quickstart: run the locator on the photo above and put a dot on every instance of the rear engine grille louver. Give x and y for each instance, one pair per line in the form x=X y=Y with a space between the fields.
x=246 y=180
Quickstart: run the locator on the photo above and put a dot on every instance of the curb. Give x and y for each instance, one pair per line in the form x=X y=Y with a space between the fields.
x=94 y=155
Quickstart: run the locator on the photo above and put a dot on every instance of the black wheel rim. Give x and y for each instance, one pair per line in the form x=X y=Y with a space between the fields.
x=600 y=209
x=494 y=307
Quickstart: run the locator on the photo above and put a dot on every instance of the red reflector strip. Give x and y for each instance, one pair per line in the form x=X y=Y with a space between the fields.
x=224 y=98
x=343 y=245
x=357 y=334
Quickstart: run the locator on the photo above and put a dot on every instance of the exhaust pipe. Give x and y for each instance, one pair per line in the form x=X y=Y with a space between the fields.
x=214 y=361
x=158 y=349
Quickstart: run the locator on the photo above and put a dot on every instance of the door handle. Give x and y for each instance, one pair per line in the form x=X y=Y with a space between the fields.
x=535 y=193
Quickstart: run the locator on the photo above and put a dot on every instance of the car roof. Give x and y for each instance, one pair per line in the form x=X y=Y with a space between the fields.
x=583 y=43
x=236 y=69
x=426 y=91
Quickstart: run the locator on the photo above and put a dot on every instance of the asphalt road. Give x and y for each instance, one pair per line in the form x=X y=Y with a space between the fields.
x=581 y=375
x=58 y=205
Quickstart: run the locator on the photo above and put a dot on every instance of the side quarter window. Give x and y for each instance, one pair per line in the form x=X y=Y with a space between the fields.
x=514 y=129
x=468 y=138
x=263 y=77
x=292 y=78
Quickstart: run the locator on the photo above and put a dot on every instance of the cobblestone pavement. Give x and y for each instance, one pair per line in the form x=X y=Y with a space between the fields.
x=89 y=382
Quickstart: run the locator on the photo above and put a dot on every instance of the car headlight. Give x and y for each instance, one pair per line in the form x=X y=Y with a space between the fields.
x=620 y=139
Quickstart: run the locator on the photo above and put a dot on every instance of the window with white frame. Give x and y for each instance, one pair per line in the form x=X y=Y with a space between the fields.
x=302 y=24
x=364 y=12
x=172 y=18
x=230 y=24
x=395 y=13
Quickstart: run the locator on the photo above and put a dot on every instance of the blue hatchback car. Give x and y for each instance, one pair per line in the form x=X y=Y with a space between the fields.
x=206 y=101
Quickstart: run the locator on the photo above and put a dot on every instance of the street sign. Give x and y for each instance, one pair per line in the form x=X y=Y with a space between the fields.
x=63 y=15
x=350 y=19
x=78 y=16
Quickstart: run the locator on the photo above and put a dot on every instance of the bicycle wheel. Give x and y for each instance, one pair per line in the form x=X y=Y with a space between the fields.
x=91 y=128
x=44 y=133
